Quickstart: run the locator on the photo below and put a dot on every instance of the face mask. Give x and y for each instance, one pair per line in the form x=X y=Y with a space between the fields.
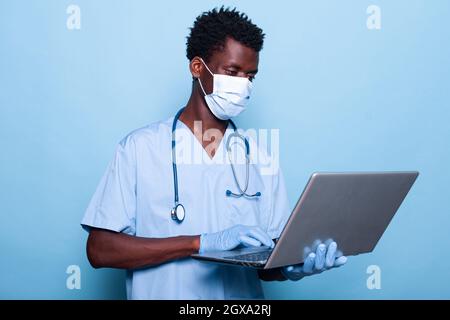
x=230 y=95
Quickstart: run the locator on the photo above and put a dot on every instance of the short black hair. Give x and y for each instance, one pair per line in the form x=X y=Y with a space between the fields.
x=212 y=28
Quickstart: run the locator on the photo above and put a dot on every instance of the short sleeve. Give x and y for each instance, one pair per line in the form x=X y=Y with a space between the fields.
x=279 y=206
x=113 y=205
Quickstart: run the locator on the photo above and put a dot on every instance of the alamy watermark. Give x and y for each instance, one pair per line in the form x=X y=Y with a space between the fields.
x=373 y=21
x=259 y=147
x=374 y=279
x=73 y=281
x=73 y=21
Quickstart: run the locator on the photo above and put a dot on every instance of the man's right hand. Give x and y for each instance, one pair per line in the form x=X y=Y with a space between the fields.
x=232 y=237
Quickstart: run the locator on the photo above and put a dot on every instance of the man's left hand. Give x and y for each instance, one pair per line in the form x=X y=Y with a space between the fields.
x=324 y=258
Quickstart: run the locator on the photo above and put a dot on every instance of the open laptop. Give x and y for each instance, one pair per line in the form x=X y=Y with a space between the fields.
x=353 y=209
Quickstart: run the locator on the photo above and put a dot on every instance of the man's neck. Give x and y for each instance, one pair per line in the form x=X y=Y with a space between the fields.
x=197 y=110
x=208 y=130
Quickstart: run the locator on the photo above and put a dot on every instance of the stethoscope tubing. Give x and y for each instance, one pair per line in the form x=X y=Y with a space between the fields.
x=242 y=191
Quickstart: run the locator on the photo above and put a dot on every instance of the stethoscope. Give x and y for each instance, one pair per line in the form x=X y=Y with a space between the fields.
x=178 y=212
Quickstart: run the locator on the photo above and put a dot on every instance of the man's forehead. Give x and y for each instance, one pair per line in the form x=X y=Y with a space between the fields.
x=236 y=54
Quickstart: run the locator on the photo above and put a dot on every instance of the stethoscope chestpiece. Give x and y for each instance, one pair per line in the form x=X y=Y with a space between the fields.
x=178 y=213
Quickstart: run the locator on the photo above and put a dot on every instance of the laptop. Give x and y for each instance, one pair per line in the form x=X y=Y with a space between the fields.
x=351 y=208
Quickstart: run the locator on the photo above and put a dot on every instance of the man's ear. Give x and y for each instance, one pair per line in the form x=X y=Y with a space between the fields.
x=196 y=67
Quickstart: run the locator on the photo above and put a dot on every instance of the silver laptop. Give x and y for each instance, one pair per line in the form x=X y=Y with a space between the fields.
x=353 y=209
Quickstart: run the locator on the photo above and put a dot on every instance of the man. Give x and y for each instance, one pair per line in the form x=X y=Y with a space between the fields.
x=133 y=219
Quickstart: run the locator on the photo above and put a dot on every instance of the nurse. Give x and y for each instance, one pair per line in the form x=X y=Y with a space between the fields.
x=172 y=189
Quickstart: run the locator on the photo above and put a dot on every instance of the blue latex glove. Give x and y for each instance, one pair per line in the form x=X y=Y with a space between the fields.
x=232 y=237
x=324 y=258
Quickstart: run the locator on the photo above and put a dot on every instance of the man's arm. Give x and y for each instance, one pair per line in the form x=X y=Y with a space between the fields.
x=118 y=250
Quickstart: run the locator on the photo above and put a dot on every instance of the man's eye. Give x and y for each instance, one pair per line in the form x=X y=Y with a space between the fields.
x=231 y=72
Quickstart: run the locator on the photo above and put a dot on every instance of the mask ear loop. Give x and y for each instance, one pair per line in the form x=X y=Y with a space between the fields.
x=206 y=67
x=201 y=86
x=200 y=81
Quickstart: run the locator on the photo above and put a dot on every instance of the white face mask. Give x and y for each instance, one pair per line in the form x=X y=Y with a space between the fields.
x=230 y=95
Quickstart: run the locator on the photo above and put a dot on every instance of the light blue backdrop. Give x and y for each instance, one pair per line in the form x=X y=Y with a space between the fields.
x=344 y=98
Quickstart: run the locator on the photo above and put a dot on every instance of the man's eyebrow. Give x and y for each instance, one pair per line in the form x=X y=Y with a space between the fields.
x=236 y=66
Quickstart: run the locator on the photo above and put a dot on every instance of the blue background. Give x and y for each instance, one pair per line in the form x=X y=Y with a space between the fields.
x=344 y=98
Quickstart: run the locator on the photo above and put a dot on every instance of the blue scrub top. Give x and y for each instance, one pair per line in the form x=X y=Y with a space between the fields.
x=136 y=194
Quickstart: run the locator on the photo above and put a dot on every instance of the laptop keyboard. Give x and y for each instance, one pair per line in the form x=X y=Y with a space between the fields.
x=252 y=257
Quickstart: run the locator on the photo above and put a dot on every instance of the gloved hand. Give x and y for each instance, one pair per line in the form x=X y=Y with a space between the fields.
x=324 y=258
x=232 y=237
